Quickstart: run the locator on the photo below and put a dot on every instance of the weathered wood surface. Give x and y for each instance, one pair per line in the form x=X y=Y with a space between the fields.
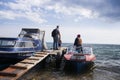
x=13 y=72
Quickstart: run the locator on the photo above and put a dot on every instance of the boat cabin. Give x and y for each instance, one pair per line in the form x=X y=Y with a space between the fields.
x=28 y=42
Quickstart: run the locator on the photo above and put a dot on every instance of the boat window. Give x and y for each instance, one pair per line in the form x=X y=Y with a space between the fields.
x=7 y=43
x=20 y=44
x=24 y=44
x=35 y=36
x=27 y=36
x=28 y=44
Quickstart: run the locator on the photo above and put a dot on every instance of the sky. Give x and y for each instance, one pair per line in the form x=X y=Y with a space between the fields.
x=98 y=21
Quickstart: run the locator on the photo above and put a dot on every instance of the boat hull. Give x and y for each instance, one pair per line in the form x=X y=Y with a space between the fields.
x=78 y=67
x=14 y=57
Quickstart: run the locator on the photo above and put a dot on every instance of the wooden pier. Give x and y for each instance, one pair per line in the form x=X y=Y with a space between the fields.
x=14 y=72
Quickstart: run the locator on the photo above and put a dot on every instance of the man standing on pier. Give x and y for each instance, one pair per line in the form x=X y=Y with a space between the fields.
x=56 y=37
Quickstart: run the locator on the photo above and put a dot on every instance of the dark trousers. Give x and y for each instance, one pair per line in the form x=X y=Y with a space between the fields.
x=55 y=42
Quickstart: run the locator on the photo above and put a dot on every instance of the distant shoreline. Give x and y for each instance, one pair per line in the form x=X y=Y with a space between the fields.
x=86 y=43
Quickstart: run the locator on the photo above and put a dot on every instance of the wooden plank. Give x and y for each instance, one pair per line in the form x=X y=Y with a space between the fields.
x=8 y=69
x=38 y=55
x=2 y=73
x=27 y=62
x=18 y=67
x=32 y=58
x=23 y=64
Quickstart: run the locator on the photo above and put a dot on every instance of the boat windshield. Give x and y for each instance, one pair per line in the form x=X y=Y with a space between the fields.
x=30 y=33
x=35 y=36
x=86 y=50
x=7 y=43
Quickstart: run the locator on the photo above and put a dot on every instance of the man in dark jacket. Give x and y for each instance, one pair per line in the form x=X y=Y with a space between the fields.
x=56 y=37
x=78 y=44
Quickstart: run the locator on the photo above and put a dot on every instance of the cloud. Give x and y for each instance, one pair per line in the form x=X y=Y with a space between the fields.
x=37 y=10
x=7 y=15
x=102 y=9
x=23 y=9
x=68 y=10
x=107 y=10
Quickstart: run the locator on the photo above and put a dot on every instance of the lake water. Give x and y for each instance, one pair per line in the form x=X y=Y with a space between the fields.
x=107 y=66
